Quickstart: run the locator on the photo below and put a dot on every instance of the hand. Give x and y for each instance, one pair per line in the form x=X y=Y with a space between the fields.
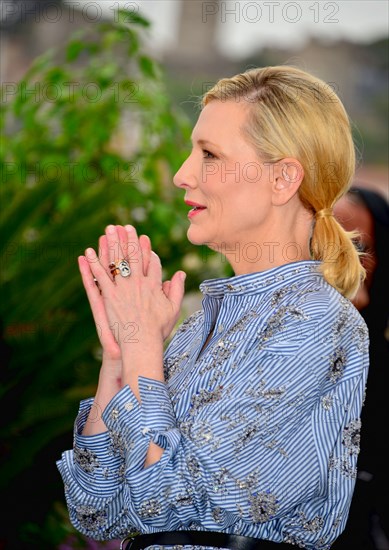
x=111 y=349
x=139 y=307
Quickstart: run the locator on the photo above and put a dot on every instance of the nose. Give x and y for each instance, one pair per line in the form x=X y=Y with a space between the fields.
x=185 y=177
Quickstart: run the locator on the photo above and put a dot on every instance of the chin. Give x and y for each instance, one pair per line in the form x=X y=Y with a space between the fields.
x=196 y=236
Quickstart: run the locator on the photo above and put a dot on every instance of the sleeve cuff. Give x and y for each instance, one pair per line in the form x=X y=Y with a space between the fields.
x=157 y=409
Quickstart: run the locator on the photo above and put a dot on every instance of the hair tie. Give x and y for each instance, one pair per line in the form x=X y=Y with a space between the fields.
x=324 y=213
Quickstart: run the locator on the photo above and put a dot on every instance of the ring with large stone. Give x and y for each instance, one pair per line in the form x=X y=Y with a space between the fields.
x=120 y=268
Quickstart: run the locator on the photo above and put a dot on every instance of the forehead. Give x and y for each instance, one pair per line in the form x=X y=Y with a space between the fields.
x=221 y=122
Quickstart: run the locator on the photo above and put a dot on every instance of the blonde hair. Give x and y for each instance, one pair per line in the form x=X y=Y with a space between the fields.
x=294 y=114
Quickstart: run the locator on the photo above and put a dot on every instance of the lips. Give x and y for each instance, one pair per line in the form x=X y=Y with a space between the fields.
x=197 y=208
x=195 y=204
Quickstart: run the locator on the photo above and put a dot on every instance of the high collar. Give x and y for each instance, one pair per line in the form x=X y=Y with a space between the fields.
x=260 y=281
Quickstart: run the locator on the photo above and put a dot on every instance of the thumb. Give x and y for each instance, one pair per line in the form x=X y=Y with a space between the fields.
x=176 y=289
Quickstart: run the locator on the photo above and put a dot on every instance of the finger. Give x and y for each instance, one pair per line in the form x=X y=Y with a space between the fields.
x=94 y=298
x=104 y=253
x=90 y=286
x=97 y=269
x=115 y=251
x=134 y=251
x=123 y=245
x=155 y=269
x=145 y=245
x=91 y=289
x=177 y=289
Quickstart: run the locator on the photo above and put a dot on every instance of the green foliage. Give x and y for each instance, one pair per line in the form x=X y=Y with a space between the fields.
x=88 y=140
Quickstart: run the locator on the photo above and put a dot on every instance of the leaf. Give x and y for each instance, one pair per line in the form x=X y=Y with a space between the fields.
x=74 y=50
x=147 y=66
x=127 y=16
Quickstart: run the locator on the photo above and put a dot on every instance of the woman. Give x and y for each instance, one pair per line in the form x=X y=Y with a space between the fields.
x=249 y=436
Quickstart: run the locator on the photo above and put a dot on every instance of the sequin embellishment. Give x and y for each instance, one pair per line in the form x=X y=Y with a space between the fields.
x=150 y=508
x=173 y=365
x=87 y=460
x=206 y=397
x=361 y=338
x=118 y=444
x=263 y=506
x=327 y=402
x=217 y=514
x=190 y=322
x=337 y=364
x=91 y=518
x=313 y=525
x=352 y=436
x=276 y=322
x=194 y=467
x=343 y=466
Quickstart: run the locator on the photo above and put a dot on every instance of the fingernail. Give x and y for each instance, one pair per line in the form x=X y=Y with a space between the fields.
x=129 y=228
x=183 y=276
x=90 y=254
x=111 y=229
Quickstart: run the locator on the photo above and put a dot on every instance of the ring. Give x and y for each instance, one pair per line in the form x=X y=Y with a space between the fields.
x=120 y=268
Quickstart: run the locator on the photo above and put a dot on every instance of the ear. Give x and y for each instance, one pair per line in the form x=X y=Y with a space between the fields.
x=288 y=175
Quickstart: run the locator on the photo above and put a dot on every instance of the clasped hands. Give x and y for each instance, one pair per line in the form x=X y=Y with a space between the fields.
x=139 y=309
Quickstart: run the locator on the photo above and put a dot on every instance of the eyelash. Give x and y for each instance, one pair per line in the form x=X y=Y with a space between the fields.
x=206 y=153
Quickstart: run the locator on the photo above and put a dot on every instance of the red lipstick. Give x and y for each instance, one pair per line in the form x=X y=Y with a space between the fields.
x=197 y=208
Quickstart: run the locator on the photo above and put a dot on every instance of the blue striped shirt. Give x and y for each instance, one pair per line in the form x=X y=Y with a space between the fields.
x=261 y=430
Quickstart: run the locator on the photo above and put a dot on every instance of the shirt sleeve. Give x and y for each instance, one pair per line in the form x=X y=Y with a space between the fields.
x=269 y=453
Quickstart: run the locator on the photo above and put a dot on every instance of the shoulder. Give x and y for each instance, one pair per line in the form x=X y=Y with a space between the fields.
x=312 y=318
x=316 y=299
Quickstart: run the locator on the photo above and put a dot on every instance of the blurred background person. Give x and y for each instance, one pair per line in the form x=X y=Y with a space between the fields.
x=367 y=211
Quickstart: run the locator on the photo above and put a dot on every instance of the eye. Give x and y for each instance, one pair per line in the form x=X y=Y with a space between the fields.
x=207 y=154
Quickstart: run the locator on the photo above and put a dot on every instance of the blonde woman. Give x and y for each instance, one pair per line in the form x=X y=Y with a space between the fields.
x=245 y=432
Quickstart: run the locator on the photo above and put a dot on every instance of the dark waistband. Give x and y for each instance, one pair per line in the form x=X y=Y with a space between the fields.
x=202 y=538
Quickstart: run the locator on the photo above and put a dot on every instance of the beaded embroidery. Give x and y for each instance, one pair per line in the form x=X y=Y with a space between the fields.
x=87 y=460
x=190 y=322
x=149 y=508
x=360 y=336
x=352 y=436
x=337 y=364
x=263 y=506
x=313 y=525
x=90 y=517
x=118 y=444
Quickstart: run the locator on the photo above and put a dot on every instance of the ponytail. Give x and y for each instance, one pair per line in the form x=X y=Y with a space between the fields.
x=330 y=243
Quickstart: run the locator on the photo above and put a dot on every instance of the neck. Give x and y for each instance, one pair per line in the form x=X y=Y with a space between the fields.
x=273 y=247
